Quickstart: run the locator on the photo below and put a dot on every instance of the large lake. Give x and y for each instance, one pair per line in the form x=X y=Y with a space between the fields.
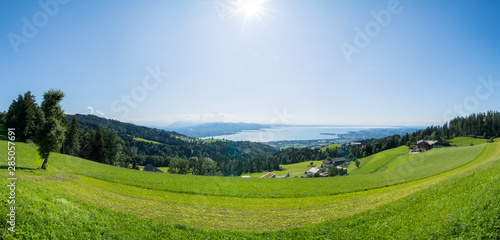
x=292 y=133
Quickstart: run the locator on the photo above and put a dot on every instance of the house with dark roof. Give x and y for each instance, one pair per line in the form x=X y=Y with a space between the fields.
x=329 y=163
x=424 y=145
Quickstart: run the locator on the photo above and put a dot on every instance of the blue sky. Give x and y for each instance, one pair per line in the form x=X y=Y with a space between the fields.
x=284 y=61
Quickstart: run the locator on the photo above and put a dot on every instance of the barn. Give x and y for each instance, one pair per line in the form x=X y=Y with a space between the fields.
x=151 y=168
x=424 y=145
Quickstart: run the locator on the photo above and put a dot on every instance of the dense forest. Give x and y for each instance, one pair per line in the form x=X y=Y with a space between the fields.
x=128 y=145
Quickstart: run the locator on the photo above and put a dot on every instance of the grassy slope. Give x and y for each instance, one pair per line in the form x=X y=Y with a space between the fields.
x=458 y=202
x=163 y=169
x=466 y=141
x=145 y=140
x=106 y=208
x=372 y=163
x=378 y=162
x=251 y=188
x=331 y=146
x=213 y=140
x=291 y=168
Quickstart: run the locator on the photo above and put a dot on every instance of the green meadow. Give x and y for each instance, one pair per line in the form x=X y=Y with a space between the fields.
x=444 y=192
x=291 y=168
x=145 y=140
x=376 y=162
x=466 y=141
x=331 y=146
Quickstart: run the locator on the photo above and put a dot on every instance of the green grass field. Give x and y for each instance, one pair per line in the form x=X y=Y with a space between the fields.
x=145 y=140
x=331 y=146
x=256 y=187
x=376 y=161
x=466 y=141
x=163 y=169
x=291 y=168
x=213 y=140
x=444 y=192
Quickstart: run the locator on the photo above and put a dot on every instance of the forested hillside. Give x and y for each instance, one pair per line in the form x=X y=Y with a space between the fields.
x=230 y=155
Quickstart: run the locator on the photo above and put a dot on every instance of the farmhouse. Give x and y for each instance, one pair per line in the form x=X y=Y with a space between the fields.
x=151 y=168
x=424 y=145
x=329 y=163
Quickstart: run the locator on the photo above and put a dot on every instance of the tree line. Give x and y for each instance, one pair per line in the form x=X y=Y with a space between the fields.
x=46 y=126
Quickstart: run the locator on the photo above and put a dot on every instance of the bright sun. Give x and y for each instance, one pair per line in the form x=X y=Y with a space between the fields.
x=251 y=7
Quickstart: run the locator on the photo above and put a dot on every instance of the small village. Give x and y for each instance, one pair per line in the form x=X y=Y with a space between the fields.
x=337 y=166
x=340 y=163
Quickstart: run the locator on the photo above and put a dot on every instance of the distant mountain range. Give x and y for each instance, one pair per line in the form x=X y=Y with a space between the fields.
x=215 y=129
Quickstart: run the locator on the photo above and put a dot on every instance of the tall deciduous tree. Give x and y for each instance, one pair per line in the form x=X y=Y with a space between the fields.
x=50 y=134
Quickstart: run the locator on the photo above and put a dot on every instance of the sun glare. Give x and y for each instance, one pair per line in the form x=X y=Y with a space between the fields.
x=251 y=8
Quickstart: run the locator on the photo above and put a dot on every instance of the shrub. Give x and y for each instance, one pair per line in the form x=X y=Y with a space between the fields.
x=178 y=165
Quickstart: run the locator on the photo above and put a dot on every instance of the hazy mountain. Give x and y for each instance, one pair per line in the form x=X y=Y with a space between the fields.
x=216 y=129
x=182 y=124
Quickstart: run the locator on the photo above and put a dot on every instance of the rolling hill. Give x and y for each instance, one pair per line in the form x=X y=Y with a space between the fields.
x=436 y=194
